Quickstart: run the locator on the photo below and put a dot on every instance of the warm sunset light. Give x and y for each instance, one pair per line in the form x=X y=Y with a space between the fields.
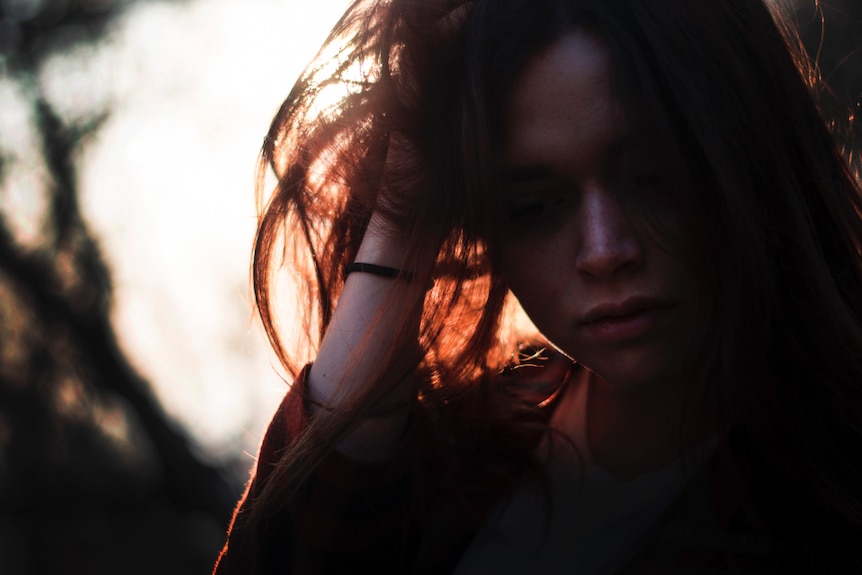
x=167 y=186
x=601 y=248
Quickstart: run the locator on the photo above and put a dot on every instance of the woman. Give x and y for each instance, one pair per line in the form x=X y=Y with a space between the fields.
x=652 y=183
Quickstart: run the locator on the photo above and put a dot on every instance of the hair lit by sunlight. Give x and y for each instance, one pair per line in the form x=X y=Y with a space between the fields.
x=350 y=80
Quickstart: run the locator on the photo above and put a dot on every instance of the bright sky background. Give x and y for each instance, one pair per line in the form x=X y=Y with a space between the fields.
x=167 y=187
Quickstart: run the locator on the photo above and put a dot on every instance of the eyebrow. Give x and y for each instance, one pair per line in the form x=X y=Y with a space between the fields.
x=626 y=141
x=527 y=174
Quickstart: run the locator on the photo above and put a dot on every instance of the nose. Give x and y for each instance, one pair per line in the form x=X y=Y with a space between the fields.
x=608 y=242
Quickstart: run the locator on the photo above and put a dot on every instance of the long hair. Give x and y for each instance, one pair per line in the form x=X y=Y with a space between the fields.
x=772 y=222
x=383 y=80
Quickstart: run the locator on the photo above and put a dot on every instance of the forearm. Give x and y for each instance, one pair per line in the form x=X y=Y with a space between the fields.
x=368 y=327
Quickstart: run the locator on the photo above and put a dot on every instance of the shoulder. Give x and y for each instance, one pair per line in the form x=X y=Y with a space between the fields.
x=508 y=409
x=537 y=376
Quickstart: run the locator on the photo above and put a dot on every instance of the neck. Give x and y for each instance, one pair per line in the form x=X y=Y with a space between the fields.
x=629 y=434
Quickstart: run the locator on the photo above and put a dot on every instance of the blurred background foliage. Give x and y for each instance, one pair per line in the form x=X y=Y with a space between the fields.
x=94 y=476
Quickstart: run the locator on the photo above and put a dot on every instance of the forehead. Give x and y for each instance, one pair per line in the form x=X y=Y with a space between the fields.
x=562 y=110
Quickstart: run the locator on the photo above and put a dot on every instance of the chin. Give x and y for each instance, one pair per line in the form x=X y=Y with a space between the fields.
x=637 y=376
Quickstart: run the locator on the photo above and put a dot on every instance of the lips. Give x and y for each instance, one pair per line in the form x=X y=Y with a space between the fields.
x=630 y=319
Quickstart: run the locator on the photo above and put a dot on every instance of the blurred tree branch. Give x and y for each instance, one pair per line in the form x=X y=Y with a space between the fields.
x=83 y=441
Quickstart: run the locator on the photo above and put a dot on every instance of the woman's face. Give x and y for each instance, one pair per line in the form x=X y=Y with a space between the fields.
x=596 y=285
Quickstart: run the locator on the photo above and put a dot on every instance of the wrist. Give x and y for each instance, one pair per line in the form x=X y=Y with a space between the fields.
x=378 y=270
x=381 y=245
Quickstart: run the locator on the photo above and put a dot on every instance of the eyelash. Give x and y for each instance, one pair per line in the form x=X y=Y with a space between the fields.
x=540 y=208
x=648 y=180
x=534 y=210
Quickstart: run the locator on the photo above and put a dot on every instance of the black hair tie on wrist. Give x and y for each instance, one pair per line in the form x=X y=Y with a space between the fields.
x=376 y=270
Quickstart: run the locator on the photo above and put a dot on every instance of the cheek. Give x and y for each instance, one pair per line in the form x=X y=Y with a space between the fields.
x=536 y=282
x=518 y=268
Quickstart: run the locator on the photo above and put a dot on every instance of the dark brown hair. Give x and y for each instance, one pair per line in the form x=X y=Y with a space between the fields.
x=773 y=228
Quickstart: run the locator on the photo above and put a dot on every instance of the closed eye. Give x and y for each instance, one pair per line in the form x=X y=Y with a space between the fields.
x=536 y=199
x=533 y=209
x=648 y=180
